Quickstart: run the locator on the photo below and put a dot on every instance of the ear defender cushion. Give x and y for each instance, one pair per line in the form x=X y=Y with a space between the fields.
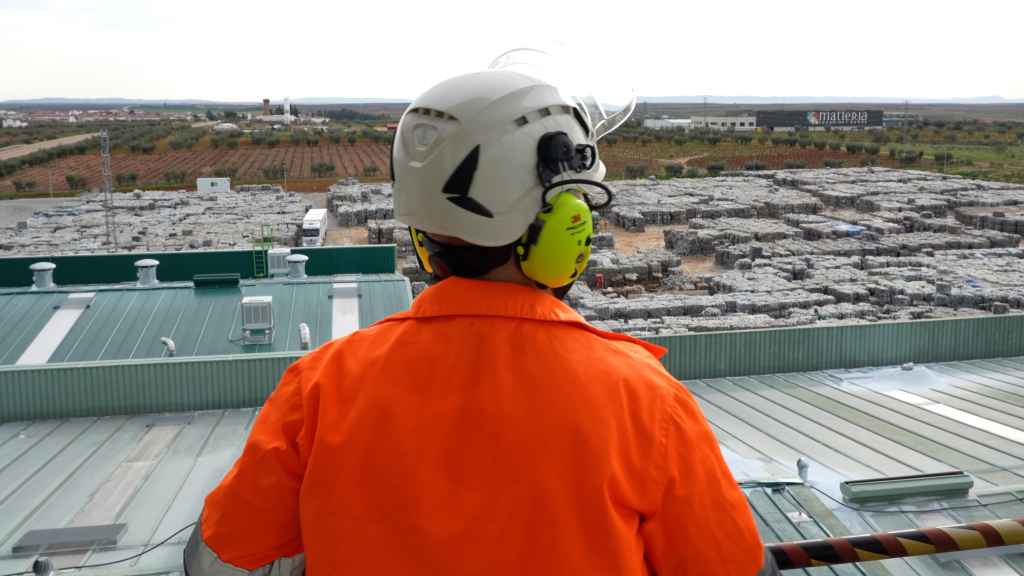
x=555 y=250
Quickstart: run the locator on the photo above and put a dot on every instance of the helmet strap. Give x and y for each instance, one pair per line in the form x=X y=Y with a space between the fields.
x=465 y=261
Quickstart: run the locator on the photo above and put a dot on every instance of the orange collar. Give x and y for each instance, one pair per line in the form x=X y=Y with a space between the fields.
x=456 y=296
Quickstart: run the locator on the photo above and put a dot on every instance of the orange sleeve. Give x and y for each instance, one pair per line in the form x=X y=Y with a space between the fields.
x=252 y=517
x=704 y=524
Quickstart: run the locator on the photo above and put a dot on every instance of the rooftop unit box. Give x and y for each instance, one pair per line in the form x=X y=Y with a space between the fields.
x=257 y=319
x=213 y=184
x=277 y=263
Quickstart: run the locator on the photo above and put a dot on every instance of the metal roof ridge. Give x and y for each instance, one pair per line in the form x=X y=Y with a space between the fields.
x=328 y=279
x=153 y=361
x=73 y=288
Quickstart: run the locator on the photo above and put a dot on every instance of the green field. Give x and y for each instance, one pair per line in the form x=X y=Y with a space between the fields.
x=991 y=151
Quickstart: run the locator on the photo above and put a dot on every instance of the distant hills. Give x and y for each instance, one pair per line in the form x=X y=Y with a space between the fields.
x=108 y=102
x=752 y=100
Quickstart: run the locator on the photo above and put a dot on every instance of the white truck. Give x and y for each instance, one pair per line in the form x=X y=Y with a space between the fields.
x=314 y=227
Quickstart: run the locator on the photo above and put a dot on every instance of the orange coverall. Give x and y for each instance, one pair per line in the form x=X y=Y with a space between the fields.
x=487 y=430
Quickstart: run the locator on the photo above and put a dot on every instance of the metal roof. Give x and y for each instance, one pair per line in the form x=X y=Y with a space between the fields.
x=152 y=471
x=126 y=322
x=854 y=424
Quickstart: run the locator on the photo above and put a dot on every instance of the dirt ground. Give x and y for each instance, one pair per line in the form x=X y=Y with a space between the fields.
x=652 y=237
x=13 y=211
x=8 y=152
x=682 y=161
x=346 y=236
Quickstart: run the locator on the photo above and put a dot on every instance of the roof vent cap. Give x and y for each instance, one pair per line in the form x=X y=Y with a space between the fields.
x=296 y=266
x=42 y=275
x=146 y=269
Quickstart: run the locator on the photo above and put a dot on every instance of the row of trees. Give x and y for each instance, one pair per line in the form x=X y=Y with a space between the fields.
x=9 y=167
x=186 y=139
x=676 y=170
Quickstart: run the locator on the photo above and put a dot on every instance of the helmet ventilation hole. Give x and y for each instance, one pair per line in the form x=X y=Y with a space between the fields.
x=429 y=112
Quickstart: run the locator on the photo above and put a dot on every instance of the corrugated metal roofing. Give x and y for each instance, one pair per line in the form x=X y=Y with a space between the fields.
x=152 y=471
x=853 y=424
x=125 y=322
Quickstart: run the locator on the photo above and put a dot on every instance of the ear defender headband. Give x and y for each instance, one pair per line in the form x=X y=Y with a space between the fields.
x=555 y=249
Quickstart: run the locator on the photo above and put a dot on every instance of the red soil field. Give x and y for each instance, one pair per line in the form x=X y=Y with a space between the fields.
x=249 y=162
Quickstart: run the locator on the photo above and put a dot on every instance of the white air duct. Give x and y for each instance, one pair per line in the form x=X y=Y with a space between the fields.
x=42 y=275
x=146 y=269
x=297 y=266
x=169 y=345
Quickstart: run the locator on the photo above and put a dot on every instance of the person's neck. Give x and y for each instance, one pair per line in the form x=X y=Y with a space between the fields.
x=509 y=272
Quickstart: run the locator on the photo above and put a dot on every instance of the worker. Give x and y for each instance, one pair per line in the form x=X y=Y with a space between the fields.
x=489 y=429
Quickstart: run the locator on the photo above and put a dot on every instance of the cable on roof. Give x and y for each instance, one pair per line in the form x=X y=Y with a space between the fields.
x=111 y=563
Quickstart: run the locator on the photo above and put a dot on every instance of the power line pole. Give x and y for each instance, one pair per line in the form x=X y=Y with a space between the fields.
x=108 y=204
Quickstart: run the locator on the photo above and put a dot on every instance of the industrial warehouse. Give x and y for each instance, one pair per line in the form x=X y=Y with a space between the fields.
x=777 y=121
x=863 y=322
x=154 y=363
x=602 y=289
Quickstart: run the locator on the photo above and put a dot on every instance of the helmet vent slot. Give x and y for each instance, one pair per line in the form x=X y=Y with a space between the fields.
x=581 y=121
x=541 y=113
x=430 y=112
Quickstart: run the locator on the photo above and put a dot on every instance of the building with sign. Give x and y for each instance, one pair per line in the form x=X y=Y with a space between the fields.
x=789 y=120
x=725 y=123
x=667 y=123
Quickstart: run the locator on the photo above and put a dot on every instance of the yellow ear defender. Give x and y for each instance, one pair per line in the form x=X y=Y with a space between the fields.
x=555 y=249
x=422 y=254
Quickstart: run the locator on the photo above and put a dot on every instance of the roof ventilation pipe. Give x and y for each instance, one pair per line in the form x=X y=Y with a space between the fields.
x=304 y=335
x=169 y=345
x=42 y=275
x=43 y=566
x=297 y=266
x=146 y=269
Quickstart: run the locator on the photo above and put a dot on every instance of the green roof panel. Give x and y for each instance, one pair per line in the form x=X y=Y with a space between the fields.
x=126 y=322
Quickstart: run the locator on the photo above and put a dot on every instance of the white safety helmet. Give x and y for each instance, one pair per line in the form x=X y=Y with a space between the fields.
x=465 y=163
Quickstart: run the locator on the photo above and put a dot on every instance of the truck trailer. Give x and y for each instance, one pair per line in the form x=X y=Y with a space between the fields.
x=314 y=227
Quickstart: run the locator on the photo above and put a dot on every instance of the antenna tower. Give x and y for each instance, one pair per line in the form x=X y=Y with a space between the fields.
x=108 y=201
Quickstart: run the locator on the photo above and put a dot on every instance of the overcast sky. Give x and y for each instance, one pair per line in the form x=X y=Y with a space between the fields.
x=244 y=51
